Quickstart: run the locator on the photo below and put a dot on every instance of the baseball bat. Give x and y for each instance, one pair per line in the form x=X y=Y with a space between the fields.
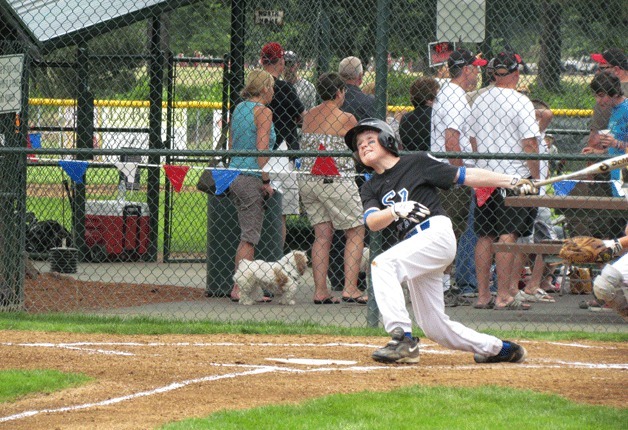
x=618 y=162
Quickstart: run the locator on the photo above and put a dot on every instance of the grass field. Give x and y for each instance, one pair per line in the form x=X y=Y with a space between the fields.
x=446 y=405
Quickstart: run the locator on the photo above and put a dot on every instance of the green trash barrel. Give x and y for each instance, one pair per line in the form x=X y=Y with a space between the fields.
x=223 y=237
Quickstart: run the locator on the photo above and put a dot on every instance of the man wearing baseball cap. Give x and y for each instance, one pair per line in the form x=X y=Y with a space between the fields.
x=305 y=89
x=450 y=133
x=287 y=110
x=614 y=61
x=286 y=106
x=502 y=120
x=451 y=108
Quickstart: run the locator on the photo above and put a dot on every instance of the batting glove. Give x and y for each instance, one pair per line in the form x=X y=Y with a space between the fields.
x=614 y=246
x=524 y=186
x=409 y=210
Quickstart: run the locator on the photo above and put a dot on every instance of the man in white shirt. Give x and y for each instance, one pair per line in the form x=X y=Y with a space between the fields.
x=502 y=121
x=450 y=133
x=450 y=114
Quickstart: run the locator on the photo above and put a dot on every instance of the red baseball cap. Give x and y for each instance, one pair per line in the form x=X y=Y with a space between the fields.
x=614 y=57
x=462 y=57
x=271 y=52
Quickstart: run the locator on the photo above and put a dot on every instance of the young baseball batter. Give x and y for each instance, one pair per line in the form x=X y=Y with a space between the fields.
x=403 y=191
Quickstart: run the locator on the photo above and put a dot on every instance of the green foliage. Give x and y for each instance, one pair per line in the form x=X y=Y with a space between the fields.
x=486 y=407
x=18 y=383
x=399 y=88
x=572 y=96
x=203 y=26
x=107 y=77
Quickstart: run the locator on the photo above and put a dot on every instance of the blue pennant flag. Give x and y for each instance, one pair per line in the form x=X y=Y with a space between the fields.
x=563 y=188
x=223 y=178
x=74 y=169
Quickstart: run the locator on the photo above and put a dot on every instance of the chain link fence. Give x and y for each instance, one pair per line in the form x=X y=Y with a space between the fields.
x=110 y=116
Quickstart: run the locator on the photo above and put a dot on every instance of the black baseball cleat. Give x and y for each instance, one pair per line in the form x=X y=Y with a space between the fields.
x=513 y=354
x=401 y=349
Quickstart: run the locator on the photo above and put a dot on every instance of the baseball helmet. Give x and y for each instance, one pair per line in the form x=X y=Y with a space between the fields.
x=386 y=135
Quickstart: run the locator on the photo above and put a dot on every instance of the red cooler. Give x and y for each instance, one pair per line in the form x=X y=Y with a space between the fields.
x=116 y=230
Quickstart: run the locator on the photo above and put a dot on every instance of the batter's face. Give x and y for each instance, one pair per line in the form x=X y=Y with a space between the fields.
x=369 y=148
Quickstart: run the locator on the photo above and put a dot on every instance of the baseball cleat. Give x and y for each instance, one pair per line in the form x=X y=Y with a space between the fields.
x=400 y=349
x=513 y=354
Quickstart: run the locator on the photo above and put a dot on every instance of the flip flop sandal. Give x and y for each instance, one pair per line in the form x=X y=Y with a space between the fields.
x=515 y=305
x=544 y=297
x=539 y=296
x=358 y=300
x=327 y=301
x=489 y=305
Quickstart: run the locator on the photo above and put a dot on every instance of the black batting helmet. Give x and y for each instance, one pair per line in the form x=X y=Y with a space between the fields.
x=386 y=135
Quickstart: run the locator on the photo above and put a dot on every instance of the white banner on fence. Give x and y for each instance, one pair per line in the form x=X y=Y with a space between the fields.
x=461 y=20
x=11 y=67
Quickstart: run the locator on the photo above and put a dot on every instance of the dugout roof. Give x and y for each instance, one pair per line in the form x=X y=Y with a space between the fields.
x=52 y=24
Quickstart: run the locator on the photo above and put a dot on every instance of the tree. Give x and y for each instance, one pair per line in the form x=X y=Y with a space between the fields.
x=551 y=45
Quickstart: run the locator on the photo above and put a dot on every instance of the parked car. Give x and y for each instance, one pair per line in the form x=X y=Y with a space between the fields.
x=584 y=65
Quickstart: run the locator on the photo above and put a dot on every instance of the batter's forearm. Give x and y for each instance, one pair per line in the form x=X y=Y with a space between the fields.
x=486 y=178
x=378 y=219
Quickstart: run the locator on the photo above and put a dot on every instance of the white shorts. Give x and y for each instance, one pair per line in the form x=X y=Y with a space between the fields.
x=284 y=178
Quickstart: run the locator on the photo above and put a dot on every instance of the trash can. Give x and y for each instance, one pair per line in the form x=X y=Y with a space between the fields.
x=223 y=237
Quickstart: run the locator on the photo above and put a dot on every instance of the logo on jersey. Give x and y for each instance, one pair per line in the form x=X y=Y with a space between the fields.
x=390 y=197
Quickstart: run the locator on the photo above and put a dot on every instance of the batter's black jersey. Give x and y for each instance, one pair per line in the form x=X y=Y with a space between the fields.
x=415 y=177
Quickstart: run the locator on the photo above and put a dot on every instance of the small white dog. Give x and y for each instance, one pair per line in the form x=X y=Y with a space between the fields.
x=279 y=277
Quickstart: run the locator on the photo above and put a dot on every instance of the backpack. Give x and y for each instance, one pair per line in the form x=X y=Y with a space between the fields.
x=41 y=236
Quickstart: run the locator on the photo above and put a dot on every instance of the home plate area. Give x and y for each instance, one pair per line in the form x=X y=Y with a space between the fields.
x=146 y=381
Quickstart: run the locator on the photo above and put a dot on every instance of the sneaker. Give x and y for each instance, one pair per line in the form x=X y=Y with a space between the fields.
x=451 y=299
x=400 y=349
x=469 y=292
x=514 y=354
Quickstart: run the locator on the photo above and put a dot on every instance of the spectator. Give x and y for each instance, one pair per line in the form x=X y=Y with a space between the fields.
x=357 y=103
x=610 y=96
x=503 y=120
x=361 y=106
x=608 y=92
x=287 y=110
x=306 y=91
x=451 y=109
x=466 y=281
x=612 y=61
x=450 y=133
x=415 y=126
x=330 y=195
x=251 y=128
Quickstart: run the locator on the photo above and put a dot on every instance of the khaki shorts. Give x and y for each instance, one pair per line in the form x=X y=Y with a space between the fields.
x=246 y=194
x=335 y=200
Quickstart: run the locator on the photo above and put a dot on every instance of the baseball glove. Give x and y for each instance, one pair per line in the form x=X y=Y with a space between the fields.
x=585 y=249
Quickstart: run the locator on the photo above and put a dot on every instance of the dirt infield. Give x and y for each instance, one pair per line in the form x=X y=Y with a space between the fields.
x=146 y=381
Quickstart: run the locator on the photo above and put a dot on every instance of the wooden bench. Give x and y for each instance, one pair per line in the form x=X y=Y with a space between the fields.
x=550 y=249
x=557 y=202
x=545 y=248
x=569 y=202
